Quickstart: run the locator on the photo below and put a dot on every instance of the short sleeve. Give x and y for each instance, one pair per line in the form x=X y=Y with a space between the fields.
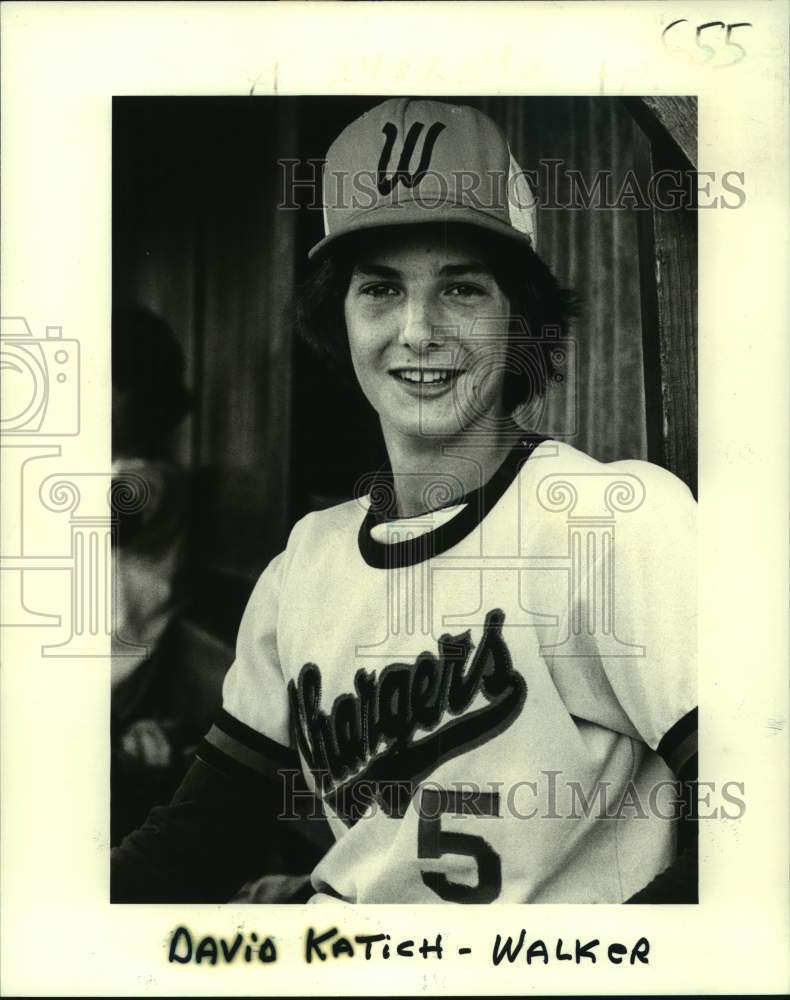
x=252 y=730
x=625 y=656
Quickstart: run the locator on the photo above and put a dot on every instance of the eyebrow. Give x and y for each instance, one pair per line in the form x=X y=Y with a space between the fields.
x=449 y=270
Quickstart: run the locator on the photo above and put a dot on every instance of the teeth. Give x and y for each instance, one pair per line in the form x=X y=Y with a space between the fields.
x=425 y=375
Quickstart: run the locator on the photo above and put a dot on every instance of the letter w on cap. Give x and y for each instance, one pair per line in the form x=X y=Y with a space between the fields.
x=386 y=184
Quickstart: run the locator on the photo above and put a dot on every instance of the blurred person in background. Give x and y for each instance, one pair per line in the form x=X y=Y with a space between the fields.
x=149 y=400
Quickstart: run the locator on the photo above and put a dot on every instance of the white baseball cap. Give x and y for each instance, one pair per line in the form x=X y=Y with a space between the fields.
x=407 y=162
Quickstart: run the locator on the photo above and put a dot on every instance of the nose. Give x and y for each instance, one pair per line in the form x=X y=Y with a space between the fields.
x=420 y=328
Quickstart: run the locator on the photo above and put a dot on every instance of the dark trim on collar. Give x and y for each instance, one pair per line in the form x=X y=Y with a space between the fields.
x=381 y=555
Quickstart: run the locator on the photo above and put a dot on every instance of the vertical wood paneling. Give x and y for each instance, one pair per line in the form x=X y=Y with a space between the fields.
x=668 y=247
x=249 y=252
x=200 y=240
x=595 y=252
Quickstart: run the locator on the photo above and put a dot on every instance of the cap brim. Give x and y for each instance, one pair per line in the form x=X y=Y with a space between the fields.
x=413 y=213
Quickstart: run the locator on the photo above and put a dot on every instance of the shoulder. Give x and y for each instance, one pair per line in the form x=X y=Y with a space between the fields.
x=316 y=536
x=647 y=507
x=322 y=527
x=632 y=484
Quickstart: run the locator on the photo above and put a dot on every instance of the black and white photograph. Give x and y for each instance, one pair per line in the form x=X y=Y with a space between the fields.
x=394 y=499
x=408 y=387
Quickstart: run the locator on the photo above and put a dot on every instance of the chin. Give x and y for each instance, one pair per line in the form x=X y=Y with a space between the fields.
x=445 y=423
x=428 y=427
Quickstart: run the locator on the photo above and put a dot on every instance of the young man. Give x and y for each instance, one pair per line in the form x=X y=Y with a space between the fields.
x=484 y=667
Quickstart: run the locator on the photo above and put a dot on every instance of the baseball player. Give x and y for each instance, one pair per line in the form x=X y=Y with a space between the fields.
x=483 y=665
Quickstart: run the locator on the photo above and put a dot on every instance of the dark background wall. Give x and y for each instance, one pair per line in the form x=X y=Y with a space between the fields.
x=198 y=237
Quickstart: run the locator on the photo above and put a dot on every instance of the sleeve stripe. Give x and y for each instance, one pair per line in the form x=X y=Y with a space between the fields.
x=227 y=766
x=679 y=744
x=227 y=747
x=235 y=766
x=683 y=753
x=688 y=772
x=253 y=740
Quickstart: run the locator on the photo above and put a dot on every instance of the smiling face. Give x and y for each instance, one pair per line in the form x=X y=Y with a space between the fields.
x=427 y=329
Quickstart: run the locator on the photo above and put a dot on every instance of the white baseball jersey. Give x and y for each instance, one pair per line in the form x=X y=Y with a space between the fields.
x=484 y=698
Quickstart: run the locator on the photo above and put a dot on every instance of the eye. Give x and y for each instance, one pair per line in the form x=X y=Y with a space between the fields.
x=378 y=290
x=465 y=291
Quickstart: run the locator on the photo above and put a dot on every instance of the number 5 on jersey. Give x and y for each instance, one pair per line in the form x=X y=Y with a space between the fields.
x=434 y=842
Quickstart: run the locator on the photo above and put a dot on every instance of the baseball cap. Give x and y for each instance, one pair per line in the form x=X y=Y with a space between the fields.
x=408 y=161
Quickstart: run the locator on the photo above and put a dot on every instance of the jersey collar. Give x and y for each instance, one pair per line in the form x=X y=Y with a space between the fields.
x=476 y=505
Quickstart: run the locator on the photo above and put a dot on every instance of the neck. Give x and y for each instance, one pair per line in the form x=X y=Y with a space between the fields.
x=434 y=472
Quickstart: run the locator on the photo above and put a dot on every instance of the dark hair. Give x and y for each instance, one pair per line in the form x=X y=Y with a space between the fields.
x=540 y=311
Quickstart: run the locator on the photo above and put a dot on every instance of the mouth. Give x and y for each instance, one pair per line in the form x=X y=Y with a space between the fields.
x=426 y=378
